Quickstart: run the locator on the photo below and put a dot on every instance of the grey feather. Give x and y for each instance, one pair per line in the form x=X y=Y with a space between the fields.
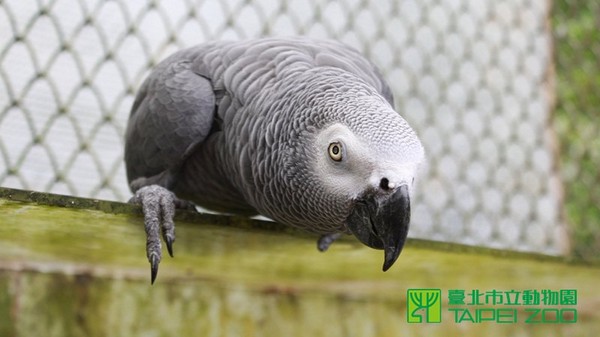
x=236 y=127
x=174 y=109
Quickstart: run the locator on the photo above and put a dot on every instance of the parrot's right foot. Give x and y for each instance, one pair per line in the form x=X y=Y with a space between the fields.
x=326 y=240
x=158 y=205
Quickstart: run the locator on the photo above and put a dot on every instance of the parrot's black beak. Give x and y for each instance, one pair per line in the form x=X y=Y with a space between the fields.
x=381 y=222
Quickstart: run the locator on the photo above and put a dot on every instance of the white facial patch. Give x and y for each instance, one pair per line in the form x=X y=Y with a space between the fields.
x=363 y=165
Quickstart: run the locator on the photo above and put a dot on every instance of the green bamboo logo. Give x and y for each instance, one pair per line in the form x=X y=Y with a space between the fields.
x=424 y=303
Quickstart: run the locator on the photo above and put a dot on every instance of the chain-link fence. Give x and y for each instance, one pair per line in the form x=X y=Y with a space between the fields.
x=474 y=78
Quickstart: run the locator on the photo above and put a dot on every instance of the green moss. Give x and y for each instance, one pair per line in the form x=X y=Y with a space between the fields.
x=68 y=271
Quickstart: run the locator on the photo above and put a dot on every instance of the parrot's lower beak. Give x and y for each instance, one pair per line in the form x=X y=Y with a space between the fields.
x=382 y=222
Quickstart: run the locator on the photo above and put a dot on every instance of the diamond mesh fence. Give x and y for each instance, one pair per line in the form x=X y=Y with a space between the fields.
x=474 y=78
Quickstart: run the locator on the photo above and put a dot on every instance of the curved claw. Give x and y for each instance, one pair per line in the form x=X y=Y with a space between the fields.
x=158 y=205
x=154 y=261
x=169 y=240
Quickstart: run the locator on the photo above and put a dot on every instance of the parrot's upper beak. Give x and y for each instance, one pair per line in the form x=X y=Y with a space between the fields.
x=381 y=222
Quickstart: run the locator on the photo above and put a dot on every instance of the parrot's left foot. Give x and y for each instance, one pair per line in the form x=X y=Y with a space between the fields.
x=326 y=240
x=158 y=205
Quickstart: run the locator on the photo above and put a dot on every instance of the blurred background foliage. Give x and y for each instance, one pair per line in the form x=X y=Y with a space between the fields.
x=576 y=26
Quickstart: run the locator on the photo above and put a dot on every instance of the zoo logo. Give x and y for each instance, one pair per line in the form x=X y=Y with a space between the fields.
x=530 y=306
x=424 y=303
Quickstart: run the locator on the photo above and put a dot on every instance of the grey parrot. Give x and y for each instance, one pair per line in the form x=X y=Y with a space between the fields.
x=299 y=130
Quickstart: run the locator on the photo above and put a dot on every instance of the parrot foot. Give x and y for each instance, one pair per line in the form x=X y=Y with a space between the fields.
x=158 y=205
x=326 y=240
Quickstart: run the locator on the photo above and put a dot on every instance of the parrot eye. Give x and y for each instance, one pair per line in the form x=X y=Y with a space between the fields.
x=335 y=151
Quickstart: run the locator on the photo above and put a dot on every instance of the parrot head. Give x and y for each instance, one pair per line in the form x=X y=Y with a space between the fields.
x=370 y=160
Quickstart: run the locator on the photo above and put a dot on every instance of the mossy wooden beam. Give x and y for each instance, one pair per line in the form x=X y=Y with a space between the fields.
x=77 y=267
